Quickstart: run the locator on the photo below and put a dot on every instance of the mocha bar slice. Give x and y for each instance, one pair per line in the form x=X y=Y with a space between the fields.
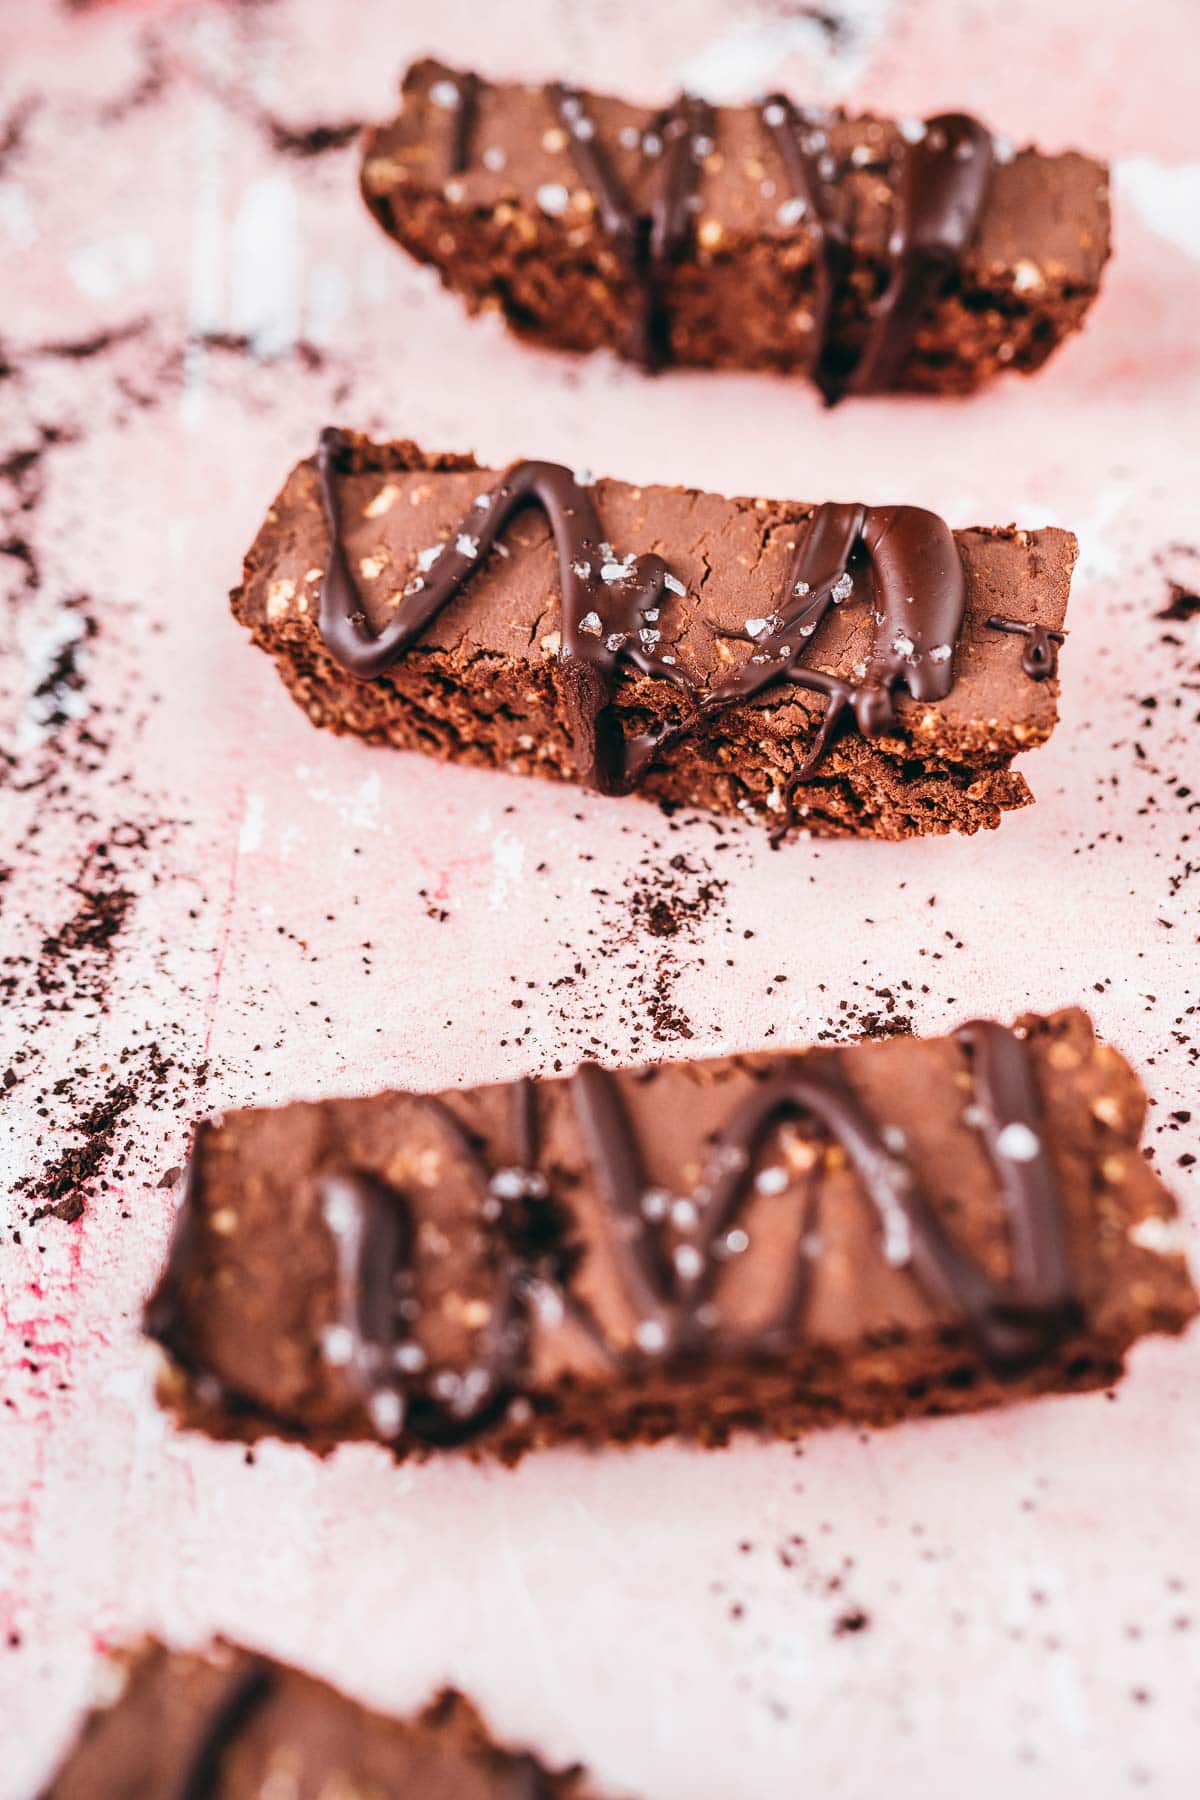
x=865 y=253
x=768 y=1241
x=227 y=1724
x=836 y=668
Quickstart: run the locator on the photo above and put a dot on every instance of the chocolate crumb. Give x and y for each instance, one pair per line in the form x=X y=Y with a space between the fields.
x=849 y=1622
x=146 y=1078
x=311 y=140
x=1182 y=605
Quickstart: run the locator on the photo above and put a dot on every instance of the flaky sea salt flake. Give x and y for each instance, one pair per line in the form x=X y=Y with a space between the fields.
x=897 y=1240
x=387 y=1412
x=337 y=1345
x=650 y=1336
x=1017 y=1143
x=553 y=198
x=508 y=1184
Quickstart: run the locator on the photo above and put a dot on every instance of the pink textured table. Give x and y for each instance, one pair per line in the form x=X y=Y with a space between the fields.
x=206 y=903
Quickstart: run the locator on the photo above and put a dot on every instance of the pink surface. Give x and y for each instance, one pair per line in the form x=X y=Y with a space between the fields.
x=669 y=1616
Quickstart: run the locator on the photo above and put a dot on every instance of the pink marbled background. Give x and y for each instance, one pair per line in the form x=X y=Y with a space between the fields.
x=1031 y=1578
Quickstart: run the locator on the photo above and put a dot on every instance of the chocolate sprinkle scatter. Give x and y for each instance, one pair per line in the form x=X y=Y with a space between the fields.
x=650 y=931
x=147 y=1079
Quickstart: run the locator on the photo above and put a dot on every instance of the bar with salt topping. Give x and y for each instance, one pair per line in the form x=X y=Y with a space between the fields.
x=771 y=1241
x=845 y=668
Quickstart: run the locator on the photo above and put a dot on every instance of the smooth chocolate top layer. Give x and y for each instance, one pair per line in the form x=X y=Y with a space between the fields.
x=231 y=1725
x=407 y=1267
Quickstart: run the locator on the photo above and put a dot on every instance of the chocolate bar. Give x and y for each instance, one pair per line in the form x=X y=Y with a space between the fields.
x=768 y=1241
x=835 y=668
x=228 y=1724
x=865 y=253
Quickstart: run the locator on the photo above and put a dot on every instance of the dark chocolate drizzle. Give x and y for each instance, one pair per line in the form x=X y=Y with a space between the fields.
x=1014 y=1322
x=942 y=188
x=603 y=622
x=1039 y=659
x=231 y=1710
x=902 y=558
x=648 y=244
x=917 y=595
x=462 y=113
x=1039 y=1300
x=370 y=1225
x=803 y=145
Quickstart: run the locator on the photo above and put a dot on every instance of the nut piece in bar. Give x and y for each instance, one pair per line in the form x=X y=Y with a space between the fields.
x=838 y=668
x=228 y=1724
x=865 y=253
x=767 y=1241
